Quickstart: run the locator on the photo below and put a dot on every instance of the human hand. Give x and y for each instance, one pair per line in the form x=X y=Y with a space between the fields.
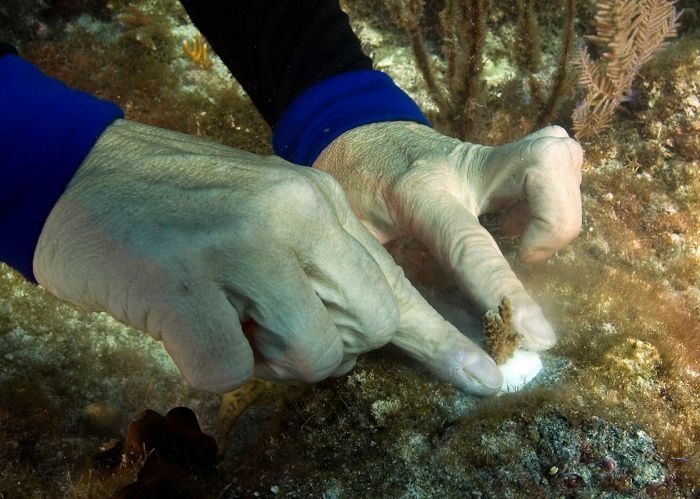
x=186 y=239
x=403 y=177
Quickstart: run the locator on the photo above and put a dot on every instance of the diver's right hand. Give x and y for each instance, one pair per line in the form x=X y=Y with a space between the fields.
x=186 y=239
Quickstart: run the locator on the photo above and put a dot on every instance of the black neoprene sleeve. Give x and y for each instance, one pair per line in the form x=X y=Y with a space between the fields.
x=6 y=48
x=276 y=49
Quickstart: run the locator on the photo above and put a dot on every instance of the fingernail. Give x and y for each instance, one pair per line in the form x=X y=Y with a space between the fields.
x=538 y=334
x=481 y=374
x=489 y=373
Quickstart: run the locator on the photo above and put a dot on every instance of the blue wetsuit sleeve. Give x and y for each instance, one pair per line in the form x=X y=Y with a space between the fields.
x=335 y=105
x=46 y=130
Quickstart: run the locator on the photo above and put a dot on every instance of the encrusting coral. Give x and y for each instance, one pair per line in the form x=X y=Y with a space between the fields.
x=501 y=339
x=234 y=403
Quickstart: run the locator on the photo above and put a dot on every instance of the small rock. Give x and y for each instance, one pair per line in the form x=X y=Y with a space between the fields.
x=692 y=101
x=177 y=438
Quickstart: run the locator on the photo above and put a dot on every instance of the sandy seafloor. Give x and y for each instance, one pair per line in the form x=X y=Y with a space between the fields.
x=615 y=413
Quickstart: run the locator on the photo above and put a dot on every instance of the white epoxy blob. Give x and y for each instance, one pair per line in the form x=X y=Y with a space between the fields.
x=522 y=367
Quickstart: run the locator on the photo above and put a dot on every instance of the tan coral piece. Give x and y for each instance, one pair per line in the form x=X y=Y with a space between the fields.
x=198 y=52
x=501 y=339
x=234 y=403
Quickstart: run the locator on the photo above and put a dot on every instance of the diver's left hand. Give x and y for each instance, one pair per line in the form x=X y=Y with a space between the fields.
x=403 y=177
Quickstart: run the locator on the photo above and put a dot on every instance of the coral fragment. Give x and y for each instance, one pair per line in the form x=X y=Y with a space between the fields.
x=501 y=339
x=234 y=403
x=198 y=52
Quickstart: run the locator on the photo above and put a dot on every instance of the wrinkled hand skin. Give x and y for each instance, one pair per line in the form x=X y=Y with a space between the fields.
x=405 y=178
x=185 y=239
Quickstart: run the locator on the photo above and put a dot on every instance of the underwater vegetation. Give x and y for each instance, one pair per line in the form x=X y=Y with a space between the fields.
x=460 y=90
x=627 y=33
x=198 y=52
x=616 y=410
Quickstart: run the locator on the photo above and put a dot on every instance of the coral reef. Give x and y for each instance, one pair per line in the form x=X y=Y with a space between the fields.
x=417 y=446
x=615 y=411
x=88 y=52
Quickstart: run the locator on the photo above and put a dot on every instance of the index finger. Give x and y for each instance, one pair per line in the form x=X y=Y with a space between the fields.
x=459 y=242
x=423 y=333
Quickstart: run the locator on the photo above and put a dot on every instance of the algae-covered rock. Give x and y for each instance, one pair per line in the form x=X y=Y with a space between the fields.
x=637 y=359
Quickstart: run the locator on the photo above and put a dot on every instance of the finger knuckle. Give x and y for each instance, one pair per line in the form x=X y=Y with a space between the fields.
x=325 y=181
x=332 y=193
x=416 y=190
x=417 y=175
x=383 y=326
x=297 y=193
x=323 y=364
x=552 y=148
x=290 y=204
x=557 y=131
